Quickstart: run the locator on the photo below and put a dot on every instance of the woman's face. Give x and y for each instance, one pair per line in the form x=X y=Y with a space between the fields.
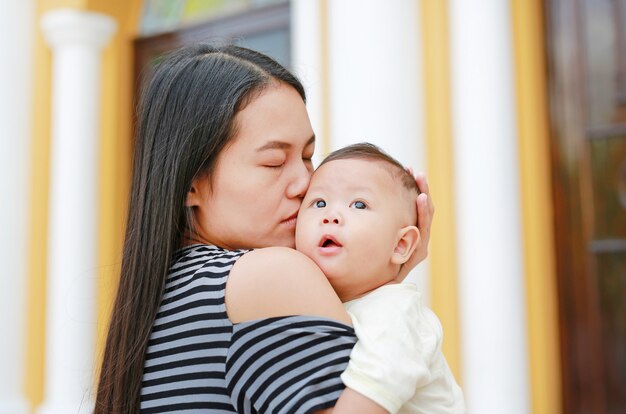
x=260 y=178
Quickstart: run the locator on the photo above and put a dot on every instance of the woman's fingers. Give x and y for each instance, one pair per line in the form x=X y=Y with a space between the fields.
x=422 y=183
x=425 y=212
x=424 y=219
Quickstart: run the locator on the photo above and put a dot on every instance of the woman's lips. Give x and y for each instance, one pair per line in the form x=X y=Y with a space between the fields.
x=291 y=221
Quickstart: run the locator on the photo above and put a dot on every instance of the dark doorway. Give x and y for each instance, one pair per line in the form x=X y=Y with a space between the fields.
x=586 y=43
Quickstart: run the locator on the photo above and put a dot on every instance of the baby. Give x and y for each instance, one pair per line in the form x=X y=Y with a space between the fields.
x=357 y=222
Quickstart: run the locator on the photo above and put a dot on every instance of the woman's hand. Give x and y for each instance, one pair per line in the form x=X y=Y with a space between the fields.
x=425 y=213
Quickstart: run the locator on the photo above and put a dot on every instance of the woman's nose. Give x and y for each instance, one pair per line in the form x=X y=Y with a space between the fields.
x=299 y=183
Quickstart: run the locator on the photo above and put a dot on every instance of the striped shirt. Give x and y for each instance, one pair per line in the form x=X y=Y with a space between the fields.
x=198 y=361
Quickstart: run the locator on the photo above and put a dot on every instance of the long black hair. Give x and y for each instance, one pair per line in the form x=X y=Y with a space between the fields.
x=185 y=119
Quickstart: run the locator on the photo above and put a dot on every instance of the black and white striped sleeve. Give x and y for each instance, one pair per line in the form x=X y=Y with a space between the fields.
x=288 y=364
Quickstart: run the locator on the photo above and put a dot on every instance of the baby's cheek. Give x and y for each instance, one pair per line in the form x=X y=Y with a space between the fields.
x=379 y=246
x=303 y=240
x=369 y=248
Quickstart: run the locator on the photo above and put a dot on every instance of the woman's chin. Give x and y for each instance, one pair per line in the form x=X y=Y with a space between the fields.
x=285 y=241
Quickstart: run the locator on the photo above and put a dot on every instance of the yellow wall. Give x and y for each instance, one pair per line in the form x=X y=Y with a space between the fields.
x=115 y=150
x=37 y=235
x=114 y=172
x=533 y=137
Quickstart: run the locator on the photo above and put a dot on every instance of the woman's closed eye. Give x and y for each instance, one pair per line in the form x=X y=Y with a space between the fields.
x=274 y=163
x=273 y=158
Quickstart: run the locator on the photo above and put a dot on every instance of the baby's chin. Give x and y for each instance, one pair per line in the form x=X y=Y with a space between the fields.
x=332 y=274
x=305 y=244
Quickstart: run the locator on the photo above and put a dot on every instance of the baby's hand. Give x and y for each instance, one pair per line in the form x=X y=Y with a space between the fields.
x=425 y=213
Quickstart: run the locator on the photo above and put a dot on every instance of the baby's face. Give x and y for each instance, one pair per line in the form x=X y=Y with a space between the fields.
x=349 y=223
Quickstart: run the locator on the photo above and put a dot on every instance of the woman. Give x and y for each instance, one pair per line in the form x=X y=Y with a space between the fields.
x=222 y=161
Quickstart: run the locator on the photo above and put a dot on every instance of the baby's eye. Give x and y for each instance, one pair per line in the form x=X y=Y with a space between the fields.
x=359 y=205
x=320 y=204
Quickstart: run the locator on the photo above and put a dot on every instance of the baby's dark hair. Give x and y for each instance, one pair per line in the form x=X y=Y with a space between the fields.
x=367 y=151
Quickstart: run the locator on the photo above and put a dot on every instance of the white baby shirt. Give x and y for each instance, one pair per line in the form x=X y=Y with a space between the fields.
x=397 y=361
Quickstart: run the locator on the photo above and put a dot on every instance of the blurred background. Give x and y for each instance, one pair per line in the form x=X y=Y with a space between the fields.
x=516 y=109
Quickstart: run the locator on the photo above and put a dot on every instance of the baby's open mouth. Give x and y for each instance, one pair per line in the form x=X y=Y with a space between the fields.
x=329 y=241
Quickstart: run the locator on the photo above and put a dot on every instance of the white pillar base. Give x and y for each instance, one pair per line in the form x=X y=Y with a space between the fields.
x=14 y=406
x=64 y=407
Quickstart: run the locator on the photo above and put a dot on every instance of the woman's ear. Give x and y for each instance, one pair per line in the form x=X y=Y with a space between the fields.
x=197 y=192
x=408 y=240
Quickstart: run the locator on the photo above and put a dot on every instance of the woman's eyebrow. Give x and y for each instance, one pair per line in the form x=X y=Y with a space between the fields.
x=274 y=145
x=282 y=144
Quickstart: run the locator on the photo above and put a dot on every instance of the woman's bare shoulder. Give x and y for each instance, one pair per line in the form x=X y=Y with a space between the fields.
x=279 y=281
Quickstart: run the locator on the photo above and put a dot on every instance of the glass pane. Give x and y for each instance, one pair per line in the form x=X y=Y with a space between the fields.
x=612 y=291
x=620 y=21
x=608 y=165
x=160 y=15
x=198 y=10
x=273 y=43
x=600 y=48
x=167 y=15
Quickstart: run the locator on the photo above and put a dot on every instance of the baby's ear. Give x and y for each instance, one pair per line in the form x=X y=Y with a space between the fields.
x=408 y=239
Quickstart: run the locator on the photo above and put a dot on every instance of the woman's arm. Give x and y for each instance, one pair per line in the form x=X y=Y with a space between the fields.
x=353 y=402
x=279 y=281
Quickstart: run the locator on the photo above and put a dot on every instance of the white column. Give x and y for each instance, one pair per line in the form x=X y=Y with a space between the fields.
x=306 y=54
x=375 y=81
x=76 y=39
x=491 y=288
x=16 y=40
